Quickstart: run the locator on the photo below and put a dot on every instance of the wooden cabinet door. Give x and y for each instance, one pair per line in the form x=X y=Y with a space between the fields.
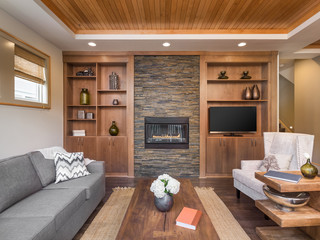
x=258 y=148
x=244 y=150
x=221 y=157
x=119 y=155
x=113 y=151
x=215 y=155
x=73 y=144
x=230 y=158
x=88 y=147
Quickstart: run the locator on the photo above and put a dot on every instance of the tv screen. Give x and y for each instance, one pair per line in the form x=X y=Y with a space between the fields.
x=232 y=119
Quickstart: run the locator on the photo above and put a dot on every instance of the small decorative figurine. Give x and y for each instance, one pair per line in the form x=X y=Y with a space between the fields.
x=115 y=102
x=223 y=75
x=245 y=75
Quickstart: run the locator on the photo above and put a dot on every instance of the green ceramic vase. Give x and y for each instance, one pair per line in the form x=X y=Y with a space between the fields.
x=308 y=170
x=113 y=130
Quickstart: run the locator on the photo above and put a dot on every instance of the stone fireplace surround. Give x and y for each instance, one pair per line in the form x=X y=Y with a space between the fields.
x=166 y=86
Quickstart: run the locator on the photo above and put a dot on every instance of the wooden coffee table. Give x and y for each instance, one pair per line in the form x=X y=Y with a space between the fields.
x=144 y=221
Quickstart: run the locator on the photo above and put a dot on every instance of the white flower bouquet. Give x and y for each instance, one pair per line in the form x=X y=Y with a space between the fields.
x=165 y=185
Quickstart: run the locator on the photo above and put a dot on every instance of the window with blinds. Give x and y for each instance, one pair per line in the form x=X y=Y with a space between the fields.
x=30 y=76
x=25 y=74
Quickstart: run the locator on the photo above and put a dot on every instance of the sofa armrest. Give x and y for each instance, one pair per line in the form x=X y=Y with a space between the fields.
x=96 y=167
x=250 y=164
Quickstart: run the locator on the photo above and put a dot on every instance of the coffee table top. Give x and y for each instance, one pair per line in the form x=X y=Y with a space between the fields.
x=144 y=221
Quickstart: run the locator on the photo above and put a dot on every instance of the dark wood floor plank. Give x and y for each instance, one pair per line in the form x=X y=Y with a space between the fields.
x=243 y=209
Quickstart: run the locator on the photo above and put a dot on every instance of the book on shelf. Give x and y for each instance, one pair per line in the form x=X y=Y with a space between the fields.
x=78 y=133
x=289 y=177
x=188 y=218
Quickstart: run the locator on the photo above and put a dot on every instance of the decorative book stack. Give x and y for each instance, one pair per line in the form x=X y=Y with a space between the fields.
x=78 y=133
x=188 y=218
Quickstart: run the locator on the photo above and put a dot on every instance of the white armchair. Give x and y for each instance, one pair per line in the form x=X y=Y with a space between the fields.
x=294 y=144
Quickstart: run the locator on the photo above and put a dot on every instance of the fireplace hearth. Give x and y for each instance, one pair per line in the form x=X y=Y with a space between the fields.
x=167 y=132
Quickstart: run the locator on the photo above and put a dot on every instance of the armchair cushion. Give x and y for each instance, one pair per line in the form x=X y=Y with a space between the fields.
x=252 y=165
x=276 y=162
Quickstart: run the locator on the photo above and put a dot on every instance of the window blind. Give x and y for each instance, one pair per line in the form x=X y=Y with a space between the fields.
x=29 y=66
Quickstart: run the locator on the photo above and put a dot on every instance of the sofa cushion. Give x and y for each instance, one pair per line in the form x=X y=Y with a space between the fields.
x=57 y=203
x=33 y=228
x=247 y=178
x=18 y=179
x=91 y=184
x=69 y=166
x=45 y=168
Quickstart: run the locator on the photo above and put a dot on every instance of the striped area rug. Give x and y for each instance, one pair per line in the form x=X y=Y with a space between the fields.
x=106 y=224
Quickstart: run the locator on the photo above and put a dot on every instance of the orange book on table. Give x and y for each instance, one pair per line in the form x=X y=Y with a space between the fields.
x=188 y=218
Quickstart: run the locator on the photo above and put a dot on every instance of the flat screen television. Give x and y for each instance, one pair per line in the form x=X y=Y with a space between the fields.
x=232 y=120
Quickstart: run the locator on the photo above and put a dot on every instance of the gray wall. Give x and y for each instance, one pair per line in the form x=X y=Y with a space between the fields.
x=167 y=86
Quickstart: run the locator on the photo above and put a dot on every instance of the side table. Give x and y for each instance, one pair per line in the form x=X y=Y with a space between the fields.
x=307 y=218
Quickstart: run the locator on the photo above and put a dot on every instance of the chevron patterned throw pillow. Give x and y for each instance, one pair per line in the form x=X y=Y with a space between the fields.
x=69 y=166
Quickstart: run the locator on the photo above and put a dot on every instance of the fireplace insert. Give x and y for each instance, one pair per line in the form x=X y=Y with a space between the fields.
x=167 y=132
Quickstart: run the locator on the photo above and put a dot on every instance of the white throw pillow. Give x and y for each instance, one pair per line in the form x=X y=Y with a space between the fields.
x=277 y=162
x=69 y=166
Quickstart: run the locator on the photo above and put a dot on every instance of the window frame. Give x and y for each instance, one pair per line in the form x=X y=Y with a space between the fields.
x=46 y=91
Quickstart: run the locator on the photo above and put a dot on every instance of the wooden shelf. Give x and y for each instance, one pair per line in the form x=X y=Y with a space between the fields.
x=75 y=119
x=304 y=185
x=275 y=232
x=87 y=136
x=92 y=77
x=301 y=217
x=81 y=105
x=234 y=100
x=236 y=80
x=112 y=106
x=111 y=91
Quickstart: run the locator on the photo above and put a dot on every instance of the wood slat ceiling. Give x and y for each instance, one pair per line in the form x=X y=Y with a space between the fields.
x=182 y=16
x=314 y=45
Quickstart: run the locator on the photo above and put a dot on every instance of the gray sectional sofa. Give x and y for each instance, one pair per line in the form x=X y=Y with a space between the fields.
x=32 y=206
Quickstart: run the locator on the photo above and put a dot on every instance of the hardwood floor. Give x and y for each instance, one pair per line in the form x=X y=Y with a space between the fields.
x=243 y=209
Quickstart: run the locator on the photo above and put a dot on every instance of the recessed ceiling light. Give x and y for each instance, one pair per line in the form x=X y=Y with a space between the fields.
x=242 y=44
x=166 y=44
x=92 y=44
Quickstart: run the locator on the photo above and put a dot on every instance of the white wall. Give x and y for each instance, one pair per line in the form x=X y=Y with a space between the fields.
x=26 y=129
